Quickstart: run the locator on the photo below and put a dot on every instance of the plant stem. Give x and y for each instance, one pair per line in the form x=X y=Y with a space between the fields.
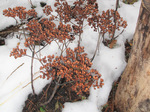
x=97 y=46
x=33 y=52
x=117 y=5
x=53 y=94
x=31 y=4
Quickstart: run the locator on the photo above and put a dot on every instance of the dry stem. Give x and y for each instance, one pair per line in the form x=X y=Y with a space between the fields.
x=32 y=70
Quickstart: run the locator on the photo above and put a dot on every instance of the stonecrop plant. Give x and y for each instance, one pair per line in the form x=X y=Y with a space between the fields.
x=70 y=66
x=74 y=67
x=107 y=24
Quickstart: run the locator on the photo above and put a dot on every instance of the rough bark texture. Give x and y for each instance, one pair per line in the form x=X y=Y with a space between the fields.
x=133 y=92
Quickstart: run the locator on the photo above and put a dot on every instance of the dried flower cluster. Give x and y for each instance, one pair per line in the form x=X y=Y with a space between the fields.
x=16 y=52
x=74 y=68
x=80 y=11
x=107 y=22
x=20 y=12
x=47 y=10
x=46 y=30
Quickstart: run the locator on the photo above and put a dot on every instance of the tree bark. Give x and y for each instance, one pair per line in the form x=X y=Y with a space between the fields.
x=133 y=92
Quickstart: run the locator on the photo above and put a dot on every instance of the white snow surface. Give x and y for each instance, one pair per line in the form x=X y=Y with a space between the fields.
x=14 y=89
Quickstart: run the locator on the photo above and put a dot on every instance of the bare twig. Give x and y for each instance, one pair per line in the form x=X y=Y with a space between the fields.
x=31 y=4
x=31 y=57
x=33 y=104
x=79 y=41
x=57 y=44
x=62 y=49
x=54 y=91
x=67 y=44
x=11 y=29
x=117 y=5
x=14 y=70
x=25 y=36
x=41 y=48
x=30 y=82
x=119 y=34
x=97 y=46
x=45 y=92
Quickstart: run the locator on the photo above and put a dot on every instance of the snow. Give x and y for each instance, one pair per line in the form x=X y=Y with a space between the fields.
x=14 y=88
x=81 y=106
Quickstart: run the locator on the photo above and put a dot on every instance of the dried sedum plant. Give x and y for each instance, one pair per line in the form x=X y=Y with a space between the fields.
x=71 y=66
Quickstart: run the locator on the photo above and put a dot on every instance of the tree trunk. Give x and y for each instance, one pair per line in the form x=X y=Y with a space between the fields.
x=133 y=92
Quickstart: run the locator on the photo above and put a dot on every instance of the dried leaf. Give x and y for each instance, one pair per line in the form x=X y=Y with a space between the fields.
x=113 y=42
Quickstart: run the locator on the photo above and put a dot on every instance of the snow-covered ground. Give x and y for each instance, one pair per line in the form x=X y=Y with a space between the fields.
x=14 y=85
